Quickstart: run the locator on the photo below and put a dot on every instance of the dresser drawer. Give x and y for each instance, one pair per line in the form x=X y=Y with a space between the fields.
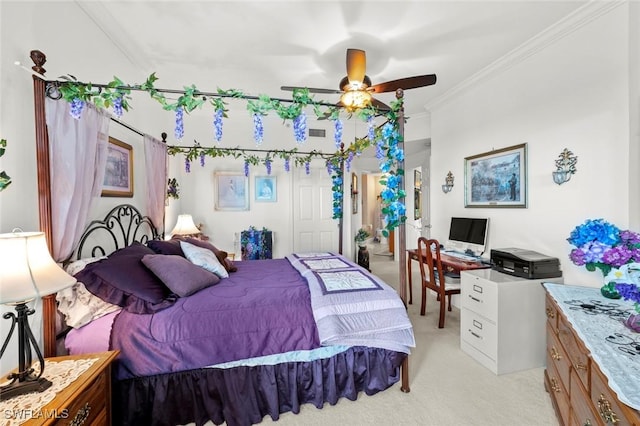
x=582 y=412
x=578 y=354
x=551 y=311
x=557 y=391
x=557 y=357
x=479 y=332
x=90 y=405
x=481 y=296
x=610 y=410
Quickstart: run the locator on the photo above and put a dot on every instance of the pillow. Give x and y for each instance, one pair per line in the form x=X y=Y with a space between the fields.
x=121 y=279
x=80 y=307
x=204 y=258
x=171 y=247
x=180 y=275
x=78 y=265
x=220 y=254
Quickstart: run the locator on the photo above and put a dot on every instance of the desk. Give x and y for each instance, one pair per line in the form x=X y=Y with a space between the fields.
x=449 y=263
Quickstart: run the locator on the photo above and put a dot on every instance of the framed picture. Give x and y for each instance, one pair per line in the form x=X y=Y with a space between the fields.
x=497 y=178
x=354 y=193
x=417 y=179
x=266 y=188
x=118 y=175
x=231 y=191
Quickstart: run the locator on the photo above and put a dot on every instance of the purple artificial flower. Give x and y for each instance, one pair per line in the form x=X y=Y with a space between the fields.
x=577 y=257
x=246 y=168
x=202 y=156
x=117 y=107
x=629 y=292
x=617 y=256
x=267 y=164
x=300 y=127
x=217 y=124
x=77 y=105
x=371 y=129
x=258 y=129
x=307 y=168
x=348 y=161
x=337 y=135
x=179 y=130
x=629 y=237
x=187 y=165
x=379 y=150
x=287 y=165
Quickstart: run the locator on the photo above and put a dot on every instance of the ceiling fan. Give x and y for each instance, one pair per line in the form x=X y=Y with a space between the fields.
x=356 y=88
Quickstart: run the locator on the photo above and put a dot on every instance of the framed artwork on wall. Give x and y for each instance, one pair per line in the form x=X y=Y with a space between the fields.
x=118 y=174
x=266 y=188
x=231 y=191
x=497 y=178
x=417 y=194
x=354 y=193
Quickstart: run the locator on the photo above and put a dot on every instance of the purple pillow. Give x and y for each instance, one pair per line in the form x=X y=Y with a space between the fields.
x=171 y=247
x=121 y=279
x=181 y=276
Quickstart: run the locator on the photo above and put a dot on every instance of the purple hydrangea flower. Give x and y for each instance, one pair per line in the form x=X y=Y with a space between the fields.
x=258 y=129
x=77 y=105
x=629 y=292
x=594 y=251
x=577 y=257
x=217 y=124
x=179 y=130
x=337 y=135
x=300 y=127
x=617 y=256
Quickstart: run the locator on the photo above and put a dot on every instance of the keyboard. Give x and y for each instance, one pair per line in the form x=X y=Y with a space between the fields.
x=461 y=256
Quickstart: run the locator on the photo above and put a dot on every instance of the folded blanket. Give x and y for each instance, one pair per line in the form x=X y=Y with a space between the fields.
x=352 y=306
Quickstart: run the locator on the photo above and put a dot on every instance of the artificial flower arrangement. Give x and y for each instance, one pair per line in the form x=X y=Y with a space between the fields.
x=361 y=236
x=602 y=245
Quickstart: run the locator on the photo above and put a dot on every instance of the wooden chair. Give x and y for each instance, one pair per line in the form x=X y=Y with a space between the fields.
x=433 y=276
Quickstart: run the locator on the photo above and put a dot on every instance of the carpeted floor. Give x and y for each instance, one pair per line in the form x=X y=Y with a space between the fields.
x=448 y=387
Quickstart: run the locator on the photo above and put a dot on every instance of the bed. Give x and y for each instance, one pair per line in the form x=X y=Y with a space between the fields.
x=265 y=339
x=301 y=354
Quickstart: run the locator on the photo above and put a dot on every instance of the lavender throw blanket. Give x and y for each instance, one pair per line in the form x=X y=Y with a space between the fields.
x=262 y=309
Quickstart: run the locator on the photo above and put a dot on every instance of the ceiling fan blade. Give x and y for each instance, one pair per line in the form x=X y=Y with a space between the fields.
x=310 y=89
x=404 y=83
x=356 y=64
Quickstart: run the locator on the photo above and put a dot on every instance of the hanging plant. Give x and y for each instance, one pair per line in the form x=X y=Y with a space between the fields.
x=173 y=190
x=5 y=180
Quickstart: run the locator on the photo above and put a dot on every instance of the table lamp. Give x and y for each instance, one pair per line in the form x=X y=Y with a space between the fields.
x=27 y=271
x=185 y=226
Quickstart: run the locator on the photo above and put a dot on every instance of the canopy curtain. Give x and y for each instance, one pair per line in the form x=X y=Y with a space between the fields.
x=155 y=159
x=78 y=155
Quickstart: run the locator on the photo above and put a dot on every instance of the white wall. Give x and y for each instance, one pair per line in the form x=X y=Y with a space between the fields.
x=574 y=94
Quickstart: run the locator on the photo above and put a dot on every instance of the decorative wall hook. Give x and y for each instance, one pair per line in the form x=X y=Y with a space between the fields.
x=565 y=167
x=448 y=186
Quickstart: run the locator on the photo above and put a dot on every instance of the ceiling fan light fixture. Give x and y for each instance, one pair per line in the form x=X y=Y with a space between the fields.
x=355 y=99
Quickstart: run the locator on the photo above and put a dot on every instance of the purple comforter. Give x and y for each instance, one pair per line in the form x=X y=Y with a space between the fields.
x=262 y=309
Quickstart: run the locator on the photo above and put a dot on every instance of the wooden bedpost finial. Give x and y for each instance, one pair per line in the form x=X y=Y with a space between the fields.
x=164 y=137
x=38 y=59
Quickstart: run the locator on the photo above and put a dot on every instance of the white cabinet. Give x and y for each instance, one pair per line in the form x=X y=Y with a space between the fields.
x=502 y=322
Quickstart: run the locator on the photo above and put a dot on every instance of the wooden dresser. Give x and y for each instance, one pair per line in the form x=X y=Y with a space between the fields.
x=580 y=392
x=87 y=400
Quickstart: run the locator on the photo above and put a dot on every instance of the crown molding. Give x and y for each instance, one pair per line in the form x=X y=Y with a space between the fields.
x=591 y=11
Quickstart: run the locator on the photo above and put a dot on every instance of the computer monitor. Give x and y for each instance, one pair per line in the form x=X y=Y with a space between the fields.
x=466 y=233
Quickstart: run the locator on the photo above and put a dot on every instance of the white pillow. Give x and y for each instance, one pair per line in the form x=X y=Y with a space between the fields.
x=80 y=307
x=204 y=258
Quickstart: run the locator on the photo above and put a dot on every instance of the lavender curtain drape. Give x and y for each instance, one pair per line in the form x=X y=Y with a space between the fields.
x=78 y=154
x=155 y=155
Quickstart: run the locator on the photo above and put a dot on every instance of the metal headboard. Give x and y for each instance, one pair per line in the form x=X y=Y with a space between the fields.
x=123 y=225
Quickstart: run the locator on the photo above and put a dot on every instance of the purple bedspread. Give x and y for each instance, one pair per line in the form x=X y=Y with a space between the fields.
x=262 y=309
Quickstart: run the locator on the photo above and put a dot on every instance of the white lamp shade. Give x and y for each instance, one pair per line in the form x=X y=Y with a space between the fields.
x=27 y=270
x=185 y=226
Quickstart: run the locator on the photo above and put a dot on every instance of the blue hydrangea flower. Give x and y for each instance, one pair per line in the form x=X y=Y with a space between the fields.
x=77 y=105
x=258 y=129
x=179 y=130
x=595 y=230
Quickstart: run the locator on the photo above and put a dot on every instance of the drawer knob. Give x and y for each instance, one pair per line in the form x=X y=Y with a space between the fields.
x=587 y=422
x=554 y=385
x=81 y=416
x=551 y=313
x=555 y=354
x=607 y=414
x=579 y=366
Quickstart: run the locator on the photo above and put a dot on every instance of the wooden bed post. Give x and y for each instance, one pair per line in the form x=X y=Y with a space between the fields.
x=44 y=193
x=341 y=220
x=402 y=241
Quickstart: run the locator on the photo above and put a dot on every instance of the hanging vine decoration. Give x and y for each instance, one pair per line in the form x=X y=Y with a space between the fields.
x=386 y=138
x=5 y=179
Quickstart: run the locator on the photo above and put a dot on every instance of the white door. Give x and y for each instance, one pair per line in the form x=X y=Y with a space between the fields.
x=313 y=227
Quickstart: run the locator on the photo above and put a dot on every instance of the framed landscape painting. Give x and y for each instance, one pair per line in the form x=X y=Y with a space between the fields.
x=231 y=191
x=497 y=178
x=118 y=174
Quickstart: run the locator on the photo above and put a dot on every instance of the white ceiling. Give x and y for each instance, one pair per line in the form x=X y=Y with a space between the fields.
x=258 y=46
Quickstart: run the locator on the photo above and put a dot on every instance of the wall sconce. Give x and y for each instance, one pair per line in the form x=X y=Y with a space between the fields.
x=566 y=166
x=448 y=186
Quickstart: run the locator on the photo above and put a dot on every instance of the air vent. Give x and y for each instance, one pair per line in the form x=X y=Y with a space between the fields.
x=317 y=133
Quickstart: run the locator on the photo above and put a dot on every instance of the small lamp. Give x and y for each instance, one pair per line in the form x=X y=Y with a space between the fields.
x=565 y=167
x=448 y=185
x=27 y=271
x=185 y=226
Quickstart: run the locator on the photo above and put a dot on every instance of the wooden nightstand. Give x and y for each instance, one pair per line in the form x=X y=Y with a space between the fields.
x=87 y=401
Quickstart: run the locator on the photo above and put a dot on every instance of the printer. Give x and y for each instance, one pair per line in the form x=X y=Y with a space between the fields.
x=525 y=263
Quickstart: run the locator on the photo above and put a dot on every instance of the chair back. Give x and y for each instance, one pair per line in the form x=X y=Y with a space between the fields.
x=430 y=264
